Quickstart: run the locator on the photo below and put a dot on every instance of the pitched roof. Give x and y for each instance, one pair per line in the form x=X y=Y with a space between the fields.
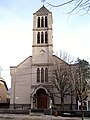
x=42 y=10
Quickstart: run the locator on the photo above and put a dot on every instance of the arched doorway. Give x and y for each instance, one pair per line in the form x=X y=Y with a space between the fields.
x=42 y=99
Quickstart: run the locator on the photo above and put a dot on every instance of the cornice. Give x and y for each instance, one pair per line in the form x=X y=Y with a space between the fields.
x=39 y=45
x=42 y=64
x=40 y=29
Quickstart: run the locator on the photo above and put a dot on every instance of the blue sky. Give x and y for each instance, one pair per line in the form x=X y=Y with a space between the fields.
x=70 y=33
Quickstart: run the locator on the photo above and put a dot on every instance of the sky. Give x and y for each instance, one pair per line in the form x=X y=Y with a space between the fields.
x=71 y=33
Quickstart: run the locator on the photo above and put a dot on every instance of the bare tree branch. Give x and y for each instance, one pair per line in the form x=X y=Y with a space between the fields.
x=60 y=4
x=61 y=77
x=78 y=4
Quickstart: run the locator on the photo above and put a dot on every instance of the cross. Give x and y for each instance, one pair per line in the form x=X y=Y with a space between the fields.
x=43 y=1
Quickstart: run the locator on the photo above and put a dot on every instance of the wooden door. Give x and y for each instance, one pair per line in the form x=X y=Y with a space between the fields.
x=42 y=102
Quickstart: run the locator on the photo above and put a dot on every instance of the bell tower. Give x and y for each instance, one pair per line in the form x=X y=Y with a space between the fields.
x=42 y=47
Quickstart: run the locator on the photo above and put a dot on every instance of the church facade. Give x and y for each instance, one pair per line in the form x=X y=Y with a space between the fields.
x=30 y=79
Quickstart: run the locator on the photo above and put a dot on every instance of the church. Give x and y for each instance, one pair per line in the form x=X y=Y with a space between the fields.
x=30 y=83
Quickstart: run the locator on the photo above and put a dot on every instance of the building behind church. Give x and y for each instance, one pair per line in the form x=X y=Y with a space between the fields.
x=30 y=84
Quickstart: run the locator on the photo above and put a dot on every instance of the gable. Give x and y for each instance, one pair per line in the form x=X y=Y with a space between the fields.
x=42 y=11
x=59 y=60
x=24 y=63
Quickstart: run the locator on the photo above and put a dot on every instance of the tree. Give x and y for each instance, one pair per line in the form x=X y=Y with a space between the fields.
x=80 y=5
x=61 y=77
x=82 y=77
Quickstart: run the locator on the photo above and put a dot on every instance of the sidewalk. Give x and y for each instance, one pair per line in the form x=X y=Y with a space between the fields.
x=33 y=117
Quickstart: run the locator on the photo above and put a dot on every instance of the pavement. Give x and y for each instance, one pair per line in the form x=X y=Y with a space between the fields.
x=34 y=117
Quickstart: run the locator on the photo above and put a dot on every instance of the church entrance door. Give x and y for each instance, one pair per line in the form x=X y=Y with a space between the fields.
x=42 y=102
x=41 y=99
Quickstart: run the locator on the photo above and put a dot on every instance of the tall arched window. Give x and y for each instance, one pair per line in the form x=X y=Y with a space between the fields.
x=38 y=37
x=46 y=21
x=46 y=37
x=42 y=37
x=42 y=75
x=38 y=75
x=38 y=23
x=46 y=75
x=42 y=22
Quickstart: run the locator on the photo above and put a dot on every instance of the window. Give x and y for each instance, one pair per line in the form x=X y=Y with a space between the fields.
x=42 y=75
x=38 y=75
x=46 y=22
x=38 y=37
x=42 y=37
x=85 y=105
x=46 y=75
x=46 y=37
x=42 y=22
x=38 y=23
